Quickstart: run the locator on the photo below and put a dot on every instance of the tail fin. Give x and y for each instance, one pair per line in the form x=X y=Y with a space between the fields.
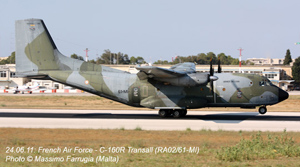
x=35 y=49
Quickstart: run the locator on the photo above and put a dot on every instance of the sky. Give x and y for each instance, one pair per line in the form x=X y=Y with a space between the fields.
x=161 y=29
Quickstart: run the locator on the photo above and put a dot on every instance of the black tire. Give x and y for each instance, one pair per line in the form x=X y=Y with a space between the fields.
x=262 y=110
x=162 y=113
x=177 y=113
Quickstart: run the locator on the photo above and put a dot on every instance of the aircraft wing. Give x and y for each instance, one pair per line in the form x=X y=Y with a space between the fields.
x=157 y=72
x=178 y=70
x=185 y=67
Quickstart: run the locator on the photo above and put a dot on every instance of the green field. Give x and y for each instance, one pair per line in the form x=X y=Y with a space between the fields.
x=207 y=148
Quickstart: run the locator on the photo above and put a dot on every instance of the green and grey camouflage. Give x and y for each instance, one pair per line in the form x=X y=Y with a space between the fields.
x=172 y=91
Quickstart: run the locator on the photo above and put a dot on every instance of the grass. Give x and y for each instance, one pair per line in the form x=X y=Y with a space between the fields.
x=223 y=148
x=257 y=147
x=60 y=102
x=138 y=128
x=99 y=103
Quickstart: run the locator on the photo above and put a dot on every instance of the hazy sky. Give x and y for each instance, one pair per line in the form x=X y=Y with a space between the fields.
x=161 y=29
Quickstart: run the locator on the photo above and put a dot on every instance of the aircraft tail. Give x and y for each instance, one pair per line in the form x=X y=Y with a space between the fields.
x=36 y=51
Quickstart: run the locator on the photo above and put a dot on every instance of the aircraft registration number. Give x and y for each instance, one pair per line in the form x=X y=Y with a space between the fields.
x=122 y=91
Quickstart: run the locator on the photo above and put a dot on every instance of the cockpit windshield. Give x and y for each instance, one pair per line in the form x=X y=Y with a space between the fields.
x=266 y=82
x=269 y=83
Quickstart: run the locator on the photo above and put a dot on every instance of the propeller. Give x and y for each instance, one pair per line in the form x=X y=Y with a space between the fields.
x=211 y=70
x=213 y=78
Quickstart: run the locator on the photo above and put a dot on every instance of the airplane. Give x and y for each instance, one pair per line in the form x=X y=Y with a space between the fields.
x=25 y=88
x=171 y=91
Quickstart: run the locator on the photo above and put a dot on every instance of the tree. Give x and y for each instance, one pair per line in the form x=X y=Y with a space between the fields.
x=212 y=56
x=75 y=56
x=92 y=61
x=235 y=62
x=296 y=70
x=114 y=58
x=106 y=57
x=161 y=62
x=9 y=60
x=80 y=58
x=140 y=60
x=132 y=60
x=287 y=58
x=126 y=59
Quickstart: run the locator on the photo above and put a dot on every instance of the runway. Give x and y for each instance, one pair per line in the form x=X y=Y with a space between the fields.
x=148 y=120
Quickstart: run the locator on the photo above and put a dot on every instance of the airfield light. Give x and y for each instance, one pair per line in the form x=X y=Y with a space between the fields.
x=297 y=43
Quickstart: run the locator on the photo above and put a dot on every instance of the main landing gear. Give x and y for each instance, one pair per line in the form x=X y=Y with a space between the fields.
x=170 y=112
x=262 y=109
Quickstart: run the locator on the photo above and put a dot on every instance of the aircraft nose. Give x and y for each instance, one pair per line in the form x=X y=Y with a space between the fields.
x=282 y=95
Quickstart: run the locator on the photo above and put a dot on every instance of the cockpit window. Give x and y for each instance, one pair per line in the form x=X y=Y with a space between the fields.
x=269 y=82
x=261 y=83
x=265 y=82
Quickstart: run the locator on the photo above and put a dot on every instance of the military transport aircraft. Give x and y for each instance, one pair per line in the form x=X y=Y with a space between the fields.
x=172 y=91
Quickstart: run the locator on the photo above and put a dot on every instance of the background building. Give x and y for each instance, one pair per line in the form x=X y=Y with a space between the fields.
x=268 y=61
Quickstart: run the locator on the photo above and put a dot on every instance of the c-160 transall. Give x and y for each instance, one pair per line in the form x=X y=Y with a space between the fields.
x=171 y=91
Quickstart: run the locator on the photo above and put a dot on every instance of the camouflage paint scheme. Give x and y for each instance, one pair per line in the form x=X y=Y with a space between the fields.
x=38 y=57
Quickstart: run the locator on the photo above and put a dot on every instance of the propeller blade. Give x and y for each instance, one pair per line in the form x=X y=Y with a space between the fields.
x=219 y=66
x=211 y=85
x=211 y=70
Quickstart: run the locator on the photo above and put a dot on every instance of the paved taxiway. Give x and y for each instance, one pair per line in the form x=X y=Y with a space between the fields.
x=148 y=120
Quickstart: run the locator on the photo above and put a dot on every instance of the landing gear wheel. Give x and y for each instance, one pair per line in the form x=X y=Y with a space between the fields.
x=262 y=110
x=177 y=113
x=184 y=112
x=163 y=113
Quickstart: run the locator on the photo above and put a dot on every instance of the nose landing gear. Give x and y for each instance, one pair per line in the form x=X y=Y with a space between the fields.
x=262 y=109
x=175 y=113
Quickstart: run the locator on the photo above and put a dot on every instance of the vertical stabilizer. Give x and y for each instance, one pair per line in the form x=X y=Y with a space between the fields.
x=35 y=49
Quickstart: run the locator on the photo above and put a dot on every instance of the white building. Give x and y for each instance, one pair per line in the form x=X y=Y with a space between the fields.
x=268 y=61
